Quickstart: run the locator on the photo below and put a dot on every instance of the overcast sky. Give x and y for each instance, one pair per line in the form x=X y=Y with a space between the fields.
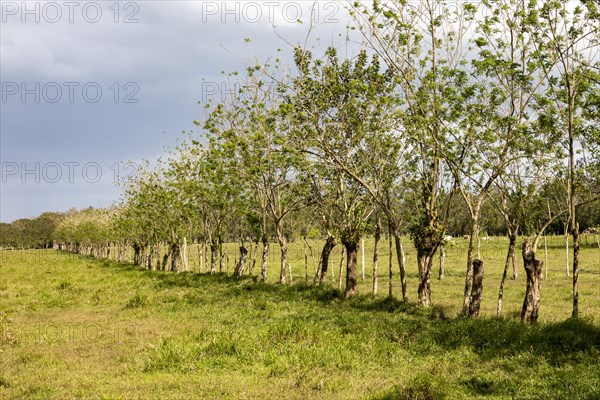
x=89 y=86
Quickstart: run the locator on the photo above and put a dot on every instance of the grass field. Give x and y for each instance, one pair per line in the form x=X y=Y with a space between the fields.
x=74 y=327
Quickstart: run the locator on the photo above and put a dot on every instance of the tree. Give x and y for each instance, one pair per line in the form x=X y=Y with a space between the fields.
x=253 y=136
x=336 y=105
x=571 y=36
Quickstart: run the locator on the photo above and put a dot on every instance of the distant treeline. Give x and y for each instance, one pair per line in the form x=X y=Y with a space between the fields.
x=40 y=232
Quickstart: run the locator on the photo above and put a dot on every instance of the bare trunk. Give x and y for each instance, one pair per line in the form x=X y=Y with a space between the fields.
x=469 y=276
x=185 y=256
x=510 y=255
x=254 y=253
x=442 y=271
x=576 y=245
x=362 y=264
x=390 y=268
x=477 y=289
x=220 y=244
x=239 y=268
x=330 y=243
x=312 y=256
x=514 y=259
x=341 y=270
x=425 y=264
x=533 y=269
x=200 y=257
x=567 y=251
x=351 y=268
x=265 y=257
x=214 y=249
x=305 y=263
x=376 y=252
x=545 y=258
x=401 y=263
x=426 y=242
x=175 y=257
x=282 y=240
x=150 y=258
x=204 y=250
x=136 y=254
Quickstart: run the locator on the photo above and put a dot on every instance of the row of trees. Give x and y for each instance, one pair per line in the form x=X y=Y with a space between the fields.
x=489 y=111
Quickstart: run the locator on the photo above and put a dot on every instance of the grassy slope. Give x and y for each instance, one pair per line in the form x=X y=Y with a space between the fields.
x=78 y=328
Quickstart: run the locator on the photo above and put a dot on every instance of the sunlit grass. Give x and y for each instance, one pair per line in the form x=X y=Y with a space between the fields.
x=73 y=327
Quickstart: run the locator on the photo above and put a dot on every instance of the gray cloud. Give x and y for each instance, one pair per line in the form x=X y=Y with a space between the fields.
x=163 y=61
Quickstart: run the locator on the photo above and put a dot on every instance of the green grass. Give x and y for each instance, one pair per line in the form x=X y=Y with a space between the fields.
x=74 y=327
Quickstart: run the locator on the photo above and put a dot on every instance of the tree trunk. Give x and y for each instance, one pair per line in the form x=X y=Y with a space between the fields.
x=341 y=269
x=239 y=268
x=351 y=268
x=265 y=258
x=401 y=262
x=362 y=264
x=376 y=252
x=136 y=254
x=533 y=269
x=469 y=276
x=576 y=245
x=330 y=243
x=150 y=258
x=545 y=258
x=205 y=247
x=214 y=249
x=185 y=256
x=442 y=262
x=175 y=257
x=254 y=253
x=200 y=256
x=427 y=238
x=165 y=260
x=282 y=240
x=477 y=289
x=390 y=263
x=425 y=264
x=567 y=251
x=221 y=255
x=510 y=255
x=305 y=263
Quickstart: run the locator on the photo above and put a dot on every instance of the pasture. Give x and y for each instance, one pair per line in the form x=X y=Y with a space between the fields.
x=76 y=327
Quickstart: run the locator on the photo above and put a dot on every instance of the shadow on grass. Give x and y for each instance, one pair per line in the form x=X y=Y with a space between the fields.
x=496 y=337
x=489 y=337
